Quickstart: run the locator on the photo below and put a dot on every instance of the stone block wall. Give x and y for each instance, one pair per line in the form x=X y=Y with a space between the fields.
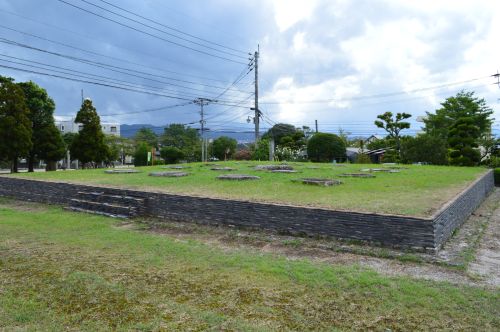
x=387 y=230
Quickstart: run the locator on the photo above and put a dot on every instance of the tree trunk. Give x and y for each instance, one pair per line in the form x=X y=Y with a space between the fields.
x=31 y=163
x=51 y=166
x=13 y=168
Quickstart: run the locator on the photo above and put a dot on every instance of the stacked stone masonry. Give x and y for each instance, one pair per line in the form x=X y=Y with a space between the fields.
x=388 y=230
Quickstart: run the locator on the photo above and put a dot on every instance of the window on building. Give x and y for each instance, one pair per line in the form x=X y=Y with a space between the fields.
x=62 y=128
x=112 y=129
x=80 y=127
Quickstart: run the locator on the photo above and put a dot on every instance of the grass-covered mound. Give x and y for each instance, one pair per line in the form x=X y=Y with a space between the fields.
x=414 y=190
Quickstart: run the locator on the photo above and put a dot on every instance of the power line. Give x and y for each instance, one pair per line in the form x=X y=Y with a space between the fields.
x=107 y=42
x=163 y=31
x=150 y=34
x=100 y=65
x=171 y=28
x=149 y=110
x=94 y=62
x=89 y=76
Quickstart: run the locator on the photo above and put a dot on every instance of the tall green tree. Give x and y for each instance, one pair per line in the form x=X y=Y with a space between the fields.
x=185 y=139
x=89 y=145
x=393 y=125
x=462 y=140
x=224 y=147
x=47 y=141
x=279 y=131
x=15 y=124
x=146 y=135
x=463 y=105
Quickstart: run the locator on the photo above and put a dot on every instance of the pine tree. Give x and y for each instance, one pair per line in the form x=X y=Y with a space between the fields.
x=89 y=145
x=15 y=125
x=47 y=141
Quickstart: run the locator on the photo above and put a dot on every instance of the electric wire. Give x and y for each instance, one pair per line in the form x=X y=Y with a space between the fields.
x=172 y=28
x=150 y=34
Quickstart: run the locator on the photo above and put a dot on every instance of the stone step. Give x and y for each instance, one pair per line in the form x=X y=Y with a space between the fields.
x=77 y=209
x=110 y=198
x=104 y=207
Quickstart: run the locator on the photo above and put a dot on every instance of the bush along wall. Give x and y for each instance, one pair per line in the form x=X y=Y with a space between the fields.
x=497 y=177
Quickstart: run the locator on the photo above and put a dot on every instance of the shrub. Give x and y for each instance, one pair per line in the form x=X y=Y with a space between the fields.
x=323 y=147
x=496 y=173
x=424 y=148
x=363 y=159
x=141 y=154
x=285 y=153
x=171 y=154
x=261 y=151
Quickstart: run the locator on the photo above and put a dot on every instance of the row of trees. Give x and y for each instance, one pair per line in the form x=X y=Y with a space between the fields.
x=458 y=133
x=27 y=128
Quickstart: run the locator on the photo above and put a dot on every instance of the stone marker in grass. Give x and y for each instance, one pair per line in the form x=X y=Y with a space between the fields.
x=222 y=169
x=357 y=175
x=273 y=167
x=169 y=174
x=121 y=171
x=384 y=170
x=319 y=182
x=237 y=177
x=176 y=167
x=283 y=171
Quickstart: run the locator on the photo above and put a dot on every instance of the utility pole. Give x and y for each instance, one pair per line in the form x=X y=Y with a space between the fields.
x=202 y=102
x=256 y=118
x=316 y=124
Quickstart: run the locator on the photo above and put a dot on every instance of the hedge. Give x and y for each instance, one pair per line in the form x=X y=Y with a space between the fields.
x=497 y=176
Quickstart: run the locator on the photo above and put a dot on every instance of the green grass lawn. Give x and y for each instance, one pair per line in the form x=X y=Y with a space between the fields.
x=67 y=271
x=417 y=191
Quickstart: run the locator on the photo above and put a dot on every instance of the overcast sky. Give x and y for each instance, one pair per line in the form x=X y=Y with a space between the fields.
x=340 y=62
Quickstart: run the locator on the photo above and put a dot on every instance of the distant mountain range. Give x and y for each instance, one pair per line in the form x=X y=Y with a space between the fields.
x=129 y=131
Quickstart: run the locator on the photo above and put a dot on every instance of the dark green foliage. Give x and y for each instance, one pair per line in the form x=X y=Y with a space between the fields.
x=393 y=125
x=146 y=135
x=463 y=105
x=278 y=131
x=261 y=151
x=462 y=137
x=15 y=125
x=424 y=148
x=286 y=135
x=391 y=156
x=497 y=176
x=141 y=154
x=363 y=159
x=89 y=146
x=171 y=154
x=224 y=147
x=47 y=141
x=323 y=147
x=185 y=139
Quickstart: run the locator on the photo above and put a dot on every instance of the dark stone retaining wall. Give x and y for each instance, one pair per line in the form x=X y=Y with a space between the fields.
x=395 y=231
x=453 y=214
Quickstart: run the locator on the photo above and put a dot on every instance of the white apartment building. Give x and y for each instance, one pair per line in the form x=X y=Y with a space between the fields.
x=68 y=125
